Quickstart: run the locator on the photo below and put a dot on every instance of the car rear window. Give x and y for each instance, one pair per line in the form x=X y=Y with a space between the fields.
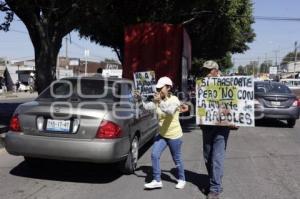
x=82 y=89
x=271 y=88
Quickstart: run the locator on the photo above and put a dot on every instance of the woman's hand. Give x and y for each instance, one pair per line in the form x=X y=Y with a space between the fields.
x=156 y=98
x=183 y=108
x=137 y=96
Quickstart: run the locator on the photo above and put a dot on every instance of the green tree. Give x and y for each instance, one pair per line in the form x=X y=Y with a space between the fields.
x=241 y=70
x=264 y=67
x=290 y=57
x=2 y=61
x=47 y=22
x=224 y=63
x=7 y=16
x=216 y=27
x=251 y=68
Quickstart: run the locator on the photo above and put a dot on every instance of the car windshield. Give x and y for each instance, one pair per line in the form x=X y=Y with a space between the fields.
x=271 y=88
x=81 y=89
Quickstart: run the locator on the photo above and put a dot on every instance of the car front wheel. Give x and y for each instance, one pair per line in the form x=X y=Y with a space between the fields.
x=291 y=123
x=129 y=165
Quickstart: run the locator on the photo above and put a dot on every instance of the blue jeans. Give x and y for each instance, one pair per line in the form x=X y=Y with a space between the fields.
x=214 y=147
x=160 y=144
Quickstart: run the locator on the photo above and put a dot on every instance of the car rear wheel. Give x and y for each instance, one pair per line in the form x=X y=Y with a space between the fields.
x=128 y=166
x=291 y=123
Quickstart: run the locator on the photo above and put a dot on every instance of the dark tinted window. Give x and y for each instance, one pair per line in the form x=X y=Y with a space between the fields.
x=271 y=88
x=84 y=89
x=127 y=94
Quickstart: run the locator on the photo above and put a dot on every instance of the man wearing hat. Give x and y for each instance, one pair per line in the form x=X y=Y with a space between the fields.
x=214 y=144
x=212 y=68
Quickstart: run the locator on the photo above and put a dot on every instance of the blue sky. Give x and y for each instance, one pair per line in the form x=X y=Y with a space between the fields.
x=16 y=45
x=271 y=36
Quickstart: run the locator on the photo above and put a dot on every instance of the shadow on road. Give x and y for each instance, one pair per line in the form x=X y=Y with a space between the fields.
x=72 y=171
x=69 y=172
x=271 y=123
x=199 y=180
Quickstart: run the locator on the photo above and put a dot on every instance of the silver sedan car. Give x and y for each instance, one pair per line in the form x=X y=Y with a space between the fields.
x=275 y=100
x=90 y=119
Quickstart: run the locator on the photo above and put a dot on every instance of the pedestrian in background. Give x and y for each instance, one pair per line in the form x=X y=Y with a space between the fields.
x=214 y=144
x=167 y=107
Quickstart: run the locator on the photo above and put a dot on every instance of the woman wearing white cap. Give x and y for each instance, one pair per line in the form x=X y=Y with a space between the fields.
x=167 y=107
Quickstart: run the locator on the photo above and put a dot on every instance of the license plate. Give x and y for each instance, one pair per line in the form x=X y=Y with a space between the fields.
x=275 y=103
x=58 y=125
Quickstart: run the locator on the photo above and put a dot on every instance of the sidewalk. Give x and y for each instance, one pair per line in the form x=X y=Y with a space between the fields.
x=17 y=95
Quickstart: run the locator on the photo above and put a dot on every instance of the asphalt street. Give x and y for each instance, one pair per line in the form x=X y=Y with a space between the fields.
x=261 y=163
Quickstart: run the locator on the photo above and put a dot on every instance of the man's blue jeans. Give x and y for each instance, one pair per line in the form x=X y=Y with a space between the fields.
x=214 y=148
x=159 y=146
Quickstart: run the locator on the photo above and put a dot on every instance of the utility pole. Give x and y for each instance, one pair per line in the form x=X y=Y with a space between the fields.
x=295 y=59
x=276 y=51
x=276 y=64
x=57 y=66
x=67 y=59
x=86 y=54
x=233 y=63
x=258 y=66
x=267 y=64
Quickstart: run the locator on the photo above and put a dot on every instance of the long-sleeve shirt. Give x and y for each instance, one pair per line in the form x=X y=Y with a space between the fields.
x=168 y=115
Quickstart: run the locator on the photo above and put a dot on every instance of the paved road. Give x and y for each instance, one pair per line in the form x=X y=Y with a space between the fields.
x=261 y=163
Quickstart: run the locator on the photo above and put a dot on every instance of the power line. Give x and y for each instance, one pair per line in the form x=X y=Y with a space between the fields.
x=269 y=18
x=200 y=13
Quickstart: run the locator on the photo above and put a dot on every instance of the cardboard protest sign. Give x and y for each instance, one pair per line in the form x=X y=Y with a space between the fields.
x=145 y=82
x=225 y=101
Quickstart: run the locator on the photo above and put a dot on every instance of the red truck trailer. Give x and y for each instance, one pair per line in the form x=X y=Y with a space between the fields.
x=163 y=48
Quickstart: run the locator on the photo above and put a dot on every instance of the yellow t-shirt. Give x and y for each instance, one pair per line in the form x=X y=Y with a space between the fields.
x=169 y=126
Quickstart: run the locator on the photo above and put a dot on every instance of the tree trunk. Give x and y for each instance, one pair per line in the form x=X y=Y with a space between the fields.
x=45 y=60
x=120 y=53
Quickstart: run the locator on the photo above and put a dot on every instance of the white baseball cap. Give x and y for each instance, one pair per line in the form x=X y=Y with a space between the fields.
x=211 y=65
x=164 y=81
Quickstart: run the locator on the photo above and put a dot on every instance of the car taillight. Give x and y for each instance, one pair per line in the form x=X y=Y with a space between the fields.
x=108 y=130
x=295 y=103
x=256 y=103
x=15 y=124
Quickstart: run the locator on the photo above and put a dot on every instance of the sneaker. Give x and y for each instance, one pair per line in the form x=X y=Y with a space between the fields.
x=213 y=195
x=153 y=185
x=180 y=184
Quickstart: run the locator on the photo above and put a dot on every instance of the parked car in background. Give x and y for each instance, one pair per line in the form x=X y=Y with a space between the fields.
x=275 y=100
x=90 y=119
x=293 y=84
